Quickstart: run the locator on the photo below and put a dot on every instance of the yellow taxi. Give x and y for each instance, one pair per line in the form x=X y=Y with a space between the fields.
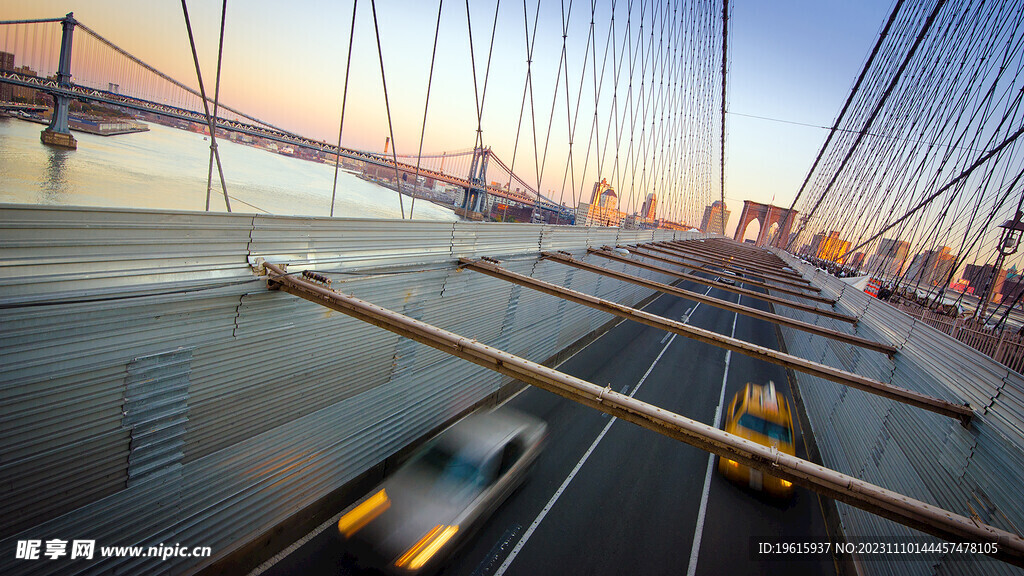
x=760 y=414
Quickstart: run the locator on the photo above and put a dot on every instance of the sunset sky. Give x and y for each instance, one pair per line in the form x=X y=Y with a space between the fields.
x=792 y=65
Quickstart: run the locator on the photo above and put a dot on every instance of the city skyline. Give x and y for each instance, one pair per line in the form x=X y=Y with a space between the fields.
x=928 y=269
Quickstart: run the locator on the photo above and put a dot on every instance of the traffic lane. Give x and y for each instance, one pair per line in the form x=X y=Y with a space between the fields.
x=625 y=364
x=738 y=518
x=631 y=508
x=571 y=429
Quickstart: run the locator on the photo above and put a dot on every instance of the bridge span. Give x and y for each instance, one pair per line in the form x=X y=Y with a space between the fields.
x=63 y=89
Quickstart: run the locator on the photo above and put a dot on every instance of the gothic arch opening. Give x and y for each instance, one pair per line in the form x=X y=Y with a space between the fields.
x=752 y=230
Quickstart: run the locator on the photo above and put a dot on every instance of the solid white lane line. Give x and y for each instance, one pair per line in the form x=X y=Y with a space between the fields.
x=565 y=484
x=698 y=532
x=269 y=563
x=525 y=388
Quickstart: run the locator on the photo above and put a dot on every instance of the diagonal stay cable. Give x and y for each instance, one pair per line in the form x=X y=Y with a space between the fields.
x=206 y=104
x=216 y=102
x=866 y=127
x=725 y=57
x=426 y=103
x=849 y=99
x=530 y=41
x=344 y=99
x=387 y=106
x=967 y=172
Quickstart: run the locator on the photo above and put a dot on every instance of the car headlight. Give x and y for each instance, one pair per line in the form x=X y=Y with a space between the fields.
x=415 y=557
x=363 y=514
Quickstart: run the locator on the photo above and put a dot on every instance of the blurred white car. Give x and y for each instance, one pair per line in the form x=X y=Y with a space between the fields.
x=418 y=516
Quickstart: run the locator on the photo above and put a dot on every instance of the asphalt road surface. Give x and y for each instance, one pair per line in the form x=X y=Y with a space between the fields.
x=608 y=497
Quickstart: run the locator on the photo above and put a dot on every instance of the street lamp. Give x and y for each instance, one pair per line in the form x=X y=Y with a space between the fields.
x=1009 y=241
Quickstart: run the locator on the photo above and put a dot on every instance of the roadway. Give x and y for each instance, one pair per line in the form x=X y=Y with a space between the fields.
x=608 y=497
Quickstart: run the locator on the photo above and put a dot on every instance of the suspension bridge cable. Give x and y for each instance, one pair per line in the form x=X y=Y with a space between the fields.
x=387 y=107
x=165 y=77
x=554 y=95
x=344 y=99
x=963 y=175
x=849 y=99
x=725 y=54
x=572 y=118
x=206 y=105
x=216 y=100
x=426 y=103
x=881 y=101
x=530 y=42
x=1014 y=107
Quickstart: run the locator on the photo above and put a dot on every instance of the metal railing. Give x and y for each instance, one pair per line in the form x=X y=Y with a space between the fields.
x=1003 y=346
x=974 y=471
x=156 y=390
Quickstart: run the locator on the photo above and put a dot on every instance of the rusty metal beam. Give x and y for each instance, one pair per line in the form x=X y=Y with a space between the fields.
x=724 y=304
x=760 y=281
x=669 y=258
x=963 y=413
x=704 y=258
x=747 y=256
x=734 y=289
x=908 y=511
x=756 y=256
x=752 y=253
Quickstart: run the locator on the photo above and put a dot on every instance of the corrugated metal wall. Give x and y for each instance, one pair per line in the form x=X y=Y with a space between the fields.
x=154 y=392
x=976 y=471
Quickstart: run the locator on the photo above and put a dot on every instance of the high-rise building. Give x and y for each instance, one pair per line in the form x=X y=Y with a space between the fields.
x=6 y=63
x=715 y=218
x=830 y=247
x=648 y=209
x=603 y=209
x=24 y=93
x=979 y=277
x=931 y=267
x=1011 y=290
x=604 y=196
x=889 y=258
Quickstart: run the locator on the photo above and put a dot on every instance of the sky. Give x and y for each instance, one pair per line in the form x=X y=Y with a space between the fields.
x=791 y=66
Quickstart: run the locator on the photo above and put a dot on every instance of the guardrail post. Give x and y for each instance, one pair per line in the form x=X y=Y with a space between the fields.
x=997 y=355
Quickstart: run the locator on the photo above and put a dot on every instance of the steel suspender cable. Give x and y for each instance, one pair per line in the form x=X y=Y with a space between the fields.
x=725 y=54
x=879 y=103
x=530 y=40
x=426 y=103
x=849 y=99
x=206 y=105
x=923 y=203
x=344 y=99
x=216 y=100
x=387 y=107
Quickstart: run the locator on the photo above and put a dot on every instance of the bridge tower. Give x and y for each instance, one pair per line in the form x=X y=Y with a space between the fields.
x=58 y=133
x=476 y=193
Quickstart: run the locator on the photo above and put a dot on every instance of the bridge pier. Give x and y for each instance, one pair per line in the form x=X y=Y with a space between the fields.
x=58 y=133
x=476 y=195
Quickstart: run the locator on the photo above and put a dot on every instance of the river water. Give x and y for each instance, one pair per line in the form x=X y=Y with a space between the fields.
x=166 y=168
